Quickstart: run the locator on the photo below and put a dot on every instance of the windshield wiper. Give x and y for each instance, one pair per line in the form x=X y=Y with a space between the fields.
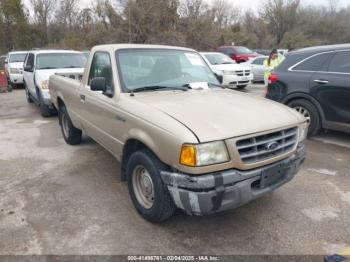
x=72 y=67
x=48 y=67
x=216 y=85
x=158 y=87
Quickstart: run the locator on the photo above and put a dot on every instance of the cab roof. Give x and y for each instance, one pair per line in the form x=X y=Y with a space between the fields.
x=140 y=46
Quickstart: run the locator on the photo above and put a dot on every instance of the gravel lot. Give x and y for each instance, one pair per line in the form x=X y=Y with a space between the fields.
x=59 y=199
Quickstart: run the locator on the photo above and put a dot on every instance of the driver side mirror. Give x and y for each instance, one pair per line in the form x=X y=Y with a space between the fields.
x=220 y=78
x=98 y=84
x=28 y=68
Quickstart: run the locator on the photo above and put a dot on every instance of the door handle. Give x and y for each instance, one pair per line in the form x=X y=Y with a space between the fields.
x=321 y=81
x=82 y=98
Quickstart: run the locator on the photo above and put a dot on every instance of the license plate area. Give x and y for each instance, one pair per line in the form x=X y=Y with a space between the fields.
x=271 y=176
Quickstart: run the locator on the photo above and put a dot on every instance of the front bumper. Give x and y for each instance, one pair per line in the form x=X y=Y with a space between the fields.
x=211 y=193
x=16 y=78
x=235 y=80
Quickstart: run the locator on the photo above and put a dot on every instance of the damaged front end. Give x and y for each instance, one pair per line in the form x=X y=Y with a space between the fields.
x=211 y=193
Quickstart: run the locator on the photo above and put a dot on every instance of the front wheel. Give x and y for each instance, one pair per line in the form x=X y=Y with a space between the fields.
x=148 y=193
x=310 y=112
x=71 y=135
x=28 y=96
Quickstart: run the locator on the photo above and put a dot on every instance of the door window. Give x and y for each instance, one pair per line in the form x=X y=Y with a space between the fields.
x=101 y=66
x=259 y=61
x=30 y=61
x=340 y=63
x=315 y=63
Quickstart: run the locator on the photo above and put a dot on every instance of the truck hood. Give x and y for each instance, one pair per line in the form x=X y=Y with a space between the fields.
x=217 y=114
x=42 y=75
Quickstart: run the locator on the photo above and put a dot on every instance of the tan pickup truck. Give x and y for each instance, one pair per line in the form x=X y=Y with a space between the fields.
x=183 y=140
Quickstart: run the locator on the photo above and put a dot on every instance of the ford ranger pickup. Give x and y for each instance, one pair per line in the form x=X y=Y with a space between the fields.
x=183 y=141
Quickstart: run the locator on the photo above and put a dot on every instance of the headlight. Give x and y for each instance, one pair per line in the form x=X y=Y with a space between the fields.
x=45 y=85
x=303 y=129
x=204 y=154
x=14 y=71
x=226 y=72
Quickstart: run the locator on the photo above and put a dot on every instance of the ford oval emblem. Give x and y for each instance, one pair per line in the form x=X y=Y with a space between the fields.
x=272 y=145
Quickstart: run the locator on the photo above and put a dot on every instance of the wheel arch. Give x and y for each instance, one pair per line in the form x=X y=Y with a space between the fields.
x=295 y=96
x=132 y=145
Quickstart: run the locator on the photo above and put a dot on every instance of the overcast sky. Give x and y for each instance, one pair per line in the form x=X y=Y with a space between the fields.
x=248 y=4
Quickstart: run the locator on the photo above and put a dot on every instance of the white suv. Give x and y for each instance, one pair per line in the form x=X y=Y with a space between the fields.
x=234 y=75
x=14 y=67
x=40 y=65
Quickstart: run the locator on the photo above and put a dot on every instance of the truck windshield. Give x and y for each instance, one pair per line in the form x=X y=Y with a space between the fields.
x=219 y=59
x=142 y=68
x=60 y=60
x=17 y=58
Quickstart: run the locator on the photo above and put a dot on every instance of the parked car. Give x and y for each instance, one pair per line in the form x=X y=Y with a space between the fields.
x=240 y=54
x=316 y=82
x=3 y=78
x=282 y=52
x=234 y=75
x=264 y=52
x=183 y=141
x=14 y=67
x=257 y=66
x=40 y=65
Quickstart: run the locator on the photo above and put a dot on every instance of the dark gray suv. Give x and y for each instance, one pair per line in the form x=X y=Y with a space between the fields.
x=316 y=82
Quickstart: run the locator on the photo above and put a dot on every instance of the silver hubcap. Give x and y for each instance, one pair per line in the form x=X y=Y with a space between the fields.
x=304 y=112
x=65 y=125
x=143 y=187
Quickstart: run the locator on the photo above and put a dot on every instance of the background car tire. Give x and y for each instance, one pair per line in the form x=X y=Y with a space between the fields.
x=163 y=206
x=9 y=87
x=314 y=116
x=71 y=134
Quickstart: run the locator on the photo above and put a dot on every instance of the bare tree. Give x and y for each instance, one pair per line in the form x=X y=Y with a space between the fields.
x=281 y=16
x=43 y=11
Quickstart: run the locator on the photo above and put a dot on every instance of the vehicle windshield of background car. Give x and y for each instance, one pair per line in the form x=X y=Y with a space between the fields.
x=17 y=58
x=144 y=68
x=219 y=59
x=60 y=60
x=243 y=50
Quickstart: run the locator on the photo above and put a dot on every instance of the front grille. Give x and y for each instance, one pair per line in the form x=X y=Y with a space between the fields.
x=264 y=147
x=243 y=72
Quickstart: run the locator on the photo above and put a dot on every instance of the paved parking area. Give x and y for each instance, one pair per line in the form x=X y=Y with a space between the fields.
x=59 y=199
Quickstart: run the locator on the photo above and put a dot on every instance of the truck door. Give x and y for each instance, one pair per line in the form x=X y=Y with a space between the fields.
x=98 y=111
x=28 y=74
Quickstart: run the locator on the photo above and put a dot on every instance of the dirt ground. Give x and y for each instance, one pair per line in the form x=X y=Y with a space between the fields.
x=59 y=199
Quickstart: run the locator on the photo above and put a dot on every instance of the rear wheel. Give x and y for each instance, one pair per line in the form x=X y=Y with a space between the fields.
x=310 y=112
x=148 y=193
x=71 y=135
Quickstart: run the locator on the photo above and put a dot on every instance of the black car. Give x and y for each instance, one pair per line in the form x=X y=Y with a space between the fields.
x=316 y=82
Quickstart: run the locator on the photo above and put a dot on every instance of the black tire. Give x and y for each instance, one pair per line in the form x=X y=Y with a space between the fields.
x=315 y=119
x=9 y=87
x=44 y=109
x=28 y=96
x=72 y=135
x=163 y=206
